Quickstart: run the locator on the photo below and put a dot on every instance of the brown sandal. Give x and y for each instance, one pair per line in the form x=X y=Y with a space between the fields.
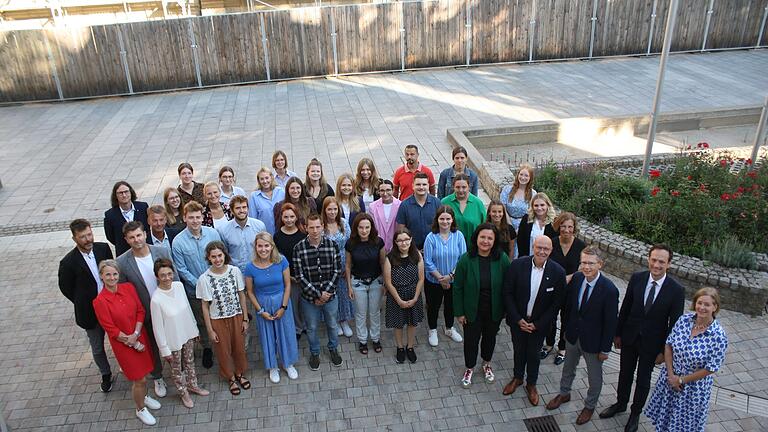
x=233 y=388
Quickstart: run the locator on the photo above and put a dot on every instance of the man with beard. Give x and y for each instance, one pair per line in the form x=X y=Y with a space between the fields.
x=403 y=178
x=239 y=233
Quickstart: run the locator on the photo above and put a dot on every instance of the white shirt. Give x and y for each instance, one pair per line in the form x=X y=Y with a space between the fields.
x=90 y=259
x=582 y=290
x=164 y=243
x=647 y=291
x=147 y=269
x=367 y=197
x=536 y=275
x=128 y=214
x=536 y=231
x=225 y=197
x=172 y=321
x=345 y=210
x=387 y=211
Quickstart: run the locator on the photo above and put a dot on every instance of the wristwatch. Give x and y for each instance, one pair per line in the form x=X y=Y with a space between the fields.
x=284 y=307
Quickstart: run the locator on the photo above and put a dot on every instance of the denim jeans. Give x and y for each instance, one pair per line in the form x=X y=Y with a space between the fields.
x=96 y=339
x=312 y=314
x=367 y=303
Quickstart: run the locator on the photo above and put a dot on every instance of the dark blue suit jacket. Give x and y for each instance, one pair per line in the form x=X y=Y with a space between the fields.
x=517 y=292
x=595 y=325
x=170 y=232
x=114 y=221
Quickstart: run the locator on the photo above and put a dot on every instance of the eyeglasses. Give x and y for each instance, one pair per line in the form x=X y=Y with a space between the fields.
x=124 y=192
x=589 y=263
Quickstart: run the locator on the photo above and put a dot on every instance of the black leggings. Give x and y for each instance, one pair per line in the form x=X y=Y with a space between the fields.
x=436 y=296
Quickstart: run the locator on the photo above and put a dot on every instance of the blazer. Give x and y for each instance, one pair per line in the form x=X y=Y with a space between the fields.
x=466 y=287
x=129 y=272
x=524 y=236
x=595 y=325
x=169 y=231
x=651 y=328
x=517 y=292
x=77 y=284
x=352 y=213
x=114 y=221
x=386 y=230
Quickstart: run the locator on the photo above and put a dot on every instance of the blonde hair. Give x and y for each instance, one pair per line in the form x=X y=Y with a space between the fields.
x=211 y=184
x=354 y=204
x=550 y=208
x=274 y=256
x=108 y=263
x=528 y=186
x=273 y=183
x=707 y=291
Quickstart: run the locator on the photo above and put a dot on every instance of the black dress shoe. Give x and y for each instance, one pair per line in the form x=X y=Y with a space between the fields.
x=612 y=410
x=544 y=352
x=632 y=423
x=207 y=358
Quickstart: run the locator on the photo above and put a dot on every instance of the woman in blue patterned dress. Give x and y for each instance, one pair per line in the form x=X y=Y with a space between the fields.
x=517 y=196
x=694 y=351
x=337 y=229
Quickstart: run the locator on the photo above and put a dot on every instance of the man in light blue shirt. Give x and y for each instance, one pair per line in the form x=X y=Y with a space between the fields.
x=189 y=258
x=240 y=232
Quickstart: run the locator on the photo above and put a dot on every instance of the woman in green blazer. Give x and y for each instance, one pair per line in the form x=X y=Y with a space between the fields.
x=477 y=300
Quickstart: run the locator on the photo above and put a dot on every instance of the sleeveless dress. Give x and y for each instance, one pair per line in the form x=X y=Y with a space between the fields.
x=404 y=279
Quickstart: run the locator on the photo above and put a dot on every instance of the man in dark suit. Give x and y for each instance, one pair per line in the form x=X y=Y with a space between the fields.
x=591 y=305
x=159 y=234
x=137 y=267
x=124 y=209
x=533 y=290
x=653 y=303
x=79 y=281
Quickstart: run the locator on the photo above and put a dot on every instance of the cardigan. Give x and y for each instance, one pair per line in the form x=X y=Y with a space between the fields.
x=466 y=287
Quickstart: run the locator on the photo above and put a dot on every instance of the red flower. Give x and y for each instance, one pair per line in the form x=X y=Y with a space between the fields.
x=752 y=174
x=655 y=173
x=655 y=190
x=690 y=177
x=736 y=195
x=725 y=197
x=703 y=187
x=689 y=147
x=675 y=193
x=723 y=162
x=748 y=161
x=702 y=145
x=740 y=189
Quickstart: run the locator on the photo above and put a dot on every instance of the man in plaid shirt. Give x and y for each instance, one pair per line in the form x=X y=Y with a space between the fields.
x=318 y=269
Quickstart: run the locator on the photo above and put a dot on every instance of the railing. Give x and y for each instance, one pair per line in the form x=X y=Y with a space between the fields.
x=68 y=63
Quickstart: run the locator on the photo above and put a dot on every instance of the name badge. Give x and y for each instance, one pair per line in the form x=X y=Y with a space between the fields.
x=550 y=289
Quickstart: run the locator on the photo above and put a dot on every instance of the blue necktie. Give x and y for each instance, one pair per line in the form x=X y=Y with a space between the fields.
x=585 y=297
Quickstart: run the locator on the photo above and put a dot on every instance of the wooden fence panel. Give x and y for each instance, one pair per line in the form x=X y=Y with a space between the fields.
x=25 y=72
x=689 y=28
x=622 y=27
x=368 y=36
x=500 y=30
x=88 y=61
x=230 y=49
x=159 y=54
x=562 y=29
x=434 y=33
x=298 y=43
x=736 y=23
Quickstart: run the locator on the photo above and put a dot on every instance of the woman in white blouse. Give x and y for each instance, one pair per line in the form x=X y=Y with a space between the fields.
x=175 y=331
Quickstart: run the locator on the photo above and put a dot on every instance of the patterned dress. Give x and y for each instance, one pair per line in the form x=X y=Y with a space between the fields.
x=346 y=307
x=404 y=279
x=516 y=207
x=686 y=411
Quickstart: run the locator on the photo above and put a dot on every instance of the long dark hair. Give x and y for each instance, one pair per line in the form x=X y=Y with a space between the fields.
x=394 y=254
x=354 y=237
x=113 y=198
x=495 y=249
x=302 y=205
x=504 y=232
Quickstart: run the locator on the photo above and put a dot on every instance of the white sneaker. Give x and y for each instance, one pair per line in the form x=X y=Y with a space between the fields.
x=339 y=331
x=466 y=380
x=488 y=371
x=146 y=417
x=151 y=403
x=454 y=334
x=433 y=337
x=292 y=372
x=274 y=375
x=160 y=388
x=346 y=329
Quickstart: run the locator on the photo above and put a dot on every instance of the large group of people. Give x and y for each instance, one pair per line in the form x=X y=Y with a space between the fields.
x=297 y=253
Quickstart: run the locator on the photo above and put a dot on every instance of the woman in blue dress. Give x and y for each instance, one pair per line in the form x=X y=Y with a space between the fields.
x=268 y=282
x=337 y=229
x=517 y=196
x=695 y=350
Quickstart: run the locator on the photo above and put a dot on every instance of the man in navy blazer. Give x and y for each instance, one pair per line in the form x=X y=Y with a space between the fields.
x=79 y=281
x=533 y=290
x=591 y=305
x=159 y=234
x=653 y=303
x=124 y=209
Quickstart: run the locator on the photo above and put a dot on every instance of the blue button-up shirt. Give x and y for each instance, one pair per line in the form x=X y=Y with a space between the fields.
x=239 y=240
x=189 y=256
x=442 y=255
x=418 y=219
x=261 y=207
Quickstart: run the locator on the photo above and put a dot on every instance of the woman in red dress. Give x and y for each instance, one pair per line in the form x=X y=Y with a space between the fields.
x=120 y=313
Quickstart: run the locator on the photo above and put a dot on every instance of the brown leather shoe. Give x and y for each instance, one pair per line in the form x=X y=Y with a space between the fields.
x=557 y=401
x=533 y=394
x=512 y=386
x=584 y=416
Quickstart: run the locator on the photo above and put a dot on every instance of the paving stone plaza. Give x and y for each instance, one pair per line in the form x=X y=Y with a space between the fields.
x=60 y=160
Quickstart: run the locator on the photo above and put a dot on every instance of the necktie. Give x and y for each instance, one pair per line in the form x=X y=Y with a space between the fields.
x=585 y=297
x=651 y=295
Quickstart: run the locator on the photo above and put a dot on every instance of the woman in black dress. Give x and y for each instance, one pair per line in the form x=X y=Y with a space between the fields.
x=497 y=215
x=404 y=279
x=537 y=222
x=290 y=233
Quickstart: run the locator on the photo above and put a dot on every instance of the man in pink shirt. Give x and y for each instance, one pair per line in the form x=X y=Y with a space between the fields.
x=403 y=178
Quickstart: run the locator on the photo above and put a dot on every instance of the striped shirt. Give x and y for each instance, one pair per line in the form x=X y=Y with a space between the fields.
x=318 y=269
x=442 y=255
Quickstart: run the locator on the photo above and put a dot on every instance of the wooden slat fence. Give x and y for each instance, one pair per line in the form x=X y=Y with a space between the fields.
x=280 y=44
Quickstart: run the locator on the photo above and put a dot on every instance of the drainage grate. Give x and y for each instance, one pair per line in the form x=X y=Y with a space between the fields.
x=542 y=424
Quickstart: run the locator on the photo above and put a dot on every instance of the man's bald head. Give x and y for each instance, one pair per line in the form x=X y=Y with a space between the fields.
x=542 y=247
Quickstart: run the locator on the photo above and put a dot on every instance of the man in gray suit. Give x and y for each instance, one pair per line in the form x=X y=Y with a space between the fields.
x=137 y=267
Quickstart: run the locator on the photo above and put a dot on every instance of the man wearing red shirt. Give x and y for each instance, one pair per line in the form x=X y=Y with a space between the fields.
x=403 y=178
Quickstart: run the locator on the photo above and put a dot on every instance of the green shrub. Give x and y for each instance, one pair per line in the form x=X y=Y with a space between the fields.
x=731 y=252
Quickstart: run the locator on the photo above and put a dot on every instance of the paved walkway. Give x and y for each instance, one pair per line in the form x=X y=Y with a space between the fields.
x=60 y=160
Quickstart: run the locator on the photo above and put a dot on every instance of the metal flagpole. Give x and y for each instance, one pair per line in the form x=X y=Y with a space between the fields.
x=760 y=135
x=668 y=31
